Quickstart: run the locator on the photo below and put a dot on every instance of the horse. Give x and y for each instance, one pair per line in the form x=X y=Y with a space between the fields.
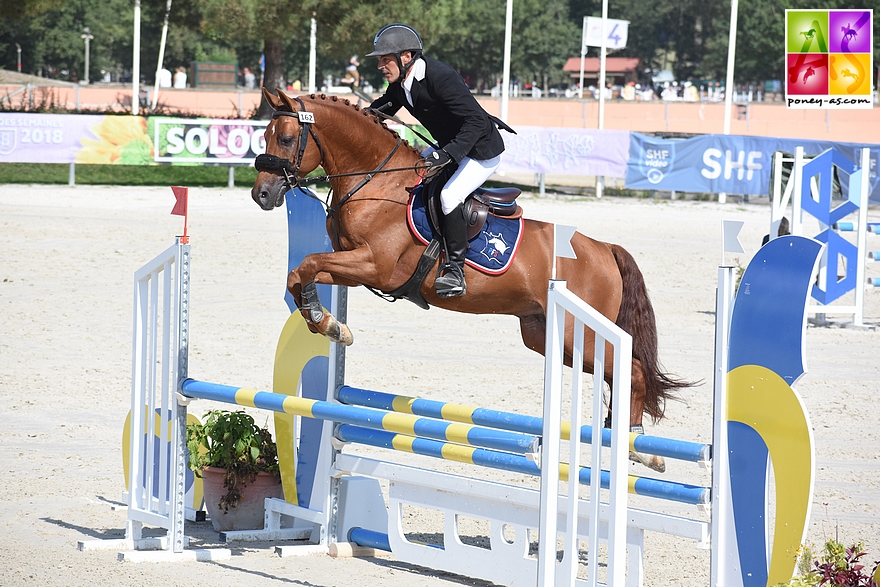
x=369 y=169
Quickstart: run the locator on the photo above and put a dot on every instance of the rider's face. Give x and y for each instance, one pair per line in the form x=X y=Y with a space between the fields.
x=389 y=68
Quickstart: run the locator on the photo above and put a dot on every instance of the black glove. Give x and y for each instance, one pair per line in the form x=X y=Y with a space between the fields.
x=435 y=161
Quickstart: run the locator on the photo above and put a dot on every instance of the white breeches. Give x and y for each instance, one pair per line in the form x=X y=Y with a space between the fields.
x=471 y=174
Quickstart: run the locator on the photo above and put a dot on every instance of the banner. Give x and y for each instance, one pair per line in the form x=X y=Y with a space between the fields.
x=537 y=149
x=205 y=140
x=58 y=138
x=722 y=163
x=128 y=140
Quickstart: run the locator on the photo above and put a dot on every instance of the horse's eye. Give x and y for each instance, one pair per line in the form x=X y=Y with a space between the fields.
x=285 y=140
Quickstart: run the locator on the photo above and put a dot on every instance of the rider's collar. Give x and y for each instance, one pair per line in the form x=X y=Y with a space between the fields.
x=417 y=70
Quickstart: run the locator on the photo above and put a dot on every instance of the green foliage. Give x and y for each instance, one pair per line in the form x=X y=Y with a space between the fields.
x=837 y=566
x=136 y=175
x=231 y=441
x=690 y=36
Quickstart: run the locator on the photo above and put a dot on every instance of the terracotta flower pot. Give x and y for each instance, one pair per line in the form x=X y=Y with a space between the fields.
x=249 y=513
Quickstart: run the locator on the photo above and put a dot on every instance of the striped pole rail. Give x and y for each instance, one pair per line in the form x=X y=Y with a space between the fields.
x=361 y=416
x=655 y=445
x=645 y=486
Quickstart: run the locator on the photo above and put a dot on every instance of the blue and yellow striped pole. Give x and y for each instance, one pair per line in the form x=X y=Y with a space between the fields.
x=668 y=490
x=362 y=416
x=655 y=445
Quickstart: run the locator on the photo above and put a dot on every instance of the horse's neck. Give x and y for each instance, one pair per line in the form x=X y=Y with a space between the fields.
x=355 y=143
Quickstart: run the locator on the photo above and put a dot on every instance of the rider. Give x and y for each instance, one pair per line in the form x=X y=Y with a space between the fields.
x=436 y=95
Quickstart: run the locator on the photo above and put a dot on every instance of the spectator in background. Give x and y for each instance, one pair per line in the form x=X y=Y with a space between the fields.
x=180 y=77
x=164 y=78
x=352 y=76
x=250 y=81
x=784 y=229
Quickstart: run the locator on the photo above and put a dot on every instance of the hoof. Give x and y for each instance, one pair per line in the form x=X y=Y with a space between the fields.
x=651 y=461
x=339 y=333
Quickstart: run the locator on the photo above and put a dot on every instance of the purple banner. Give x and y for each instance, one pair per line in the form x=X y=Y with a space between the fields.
x=566 y=151
x=43 y=138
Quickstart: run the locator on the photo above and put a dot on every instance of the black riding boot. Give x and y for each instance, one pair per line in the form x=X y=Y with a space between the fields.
x=452 y=284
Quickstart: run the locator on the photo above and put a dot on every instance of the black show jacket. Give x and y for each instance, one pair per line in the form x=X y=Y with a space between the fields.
x=446 y=107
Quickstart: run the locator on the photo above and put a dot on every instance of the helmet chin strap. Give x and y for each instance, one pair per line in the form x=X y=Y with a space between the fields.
x=405 y=68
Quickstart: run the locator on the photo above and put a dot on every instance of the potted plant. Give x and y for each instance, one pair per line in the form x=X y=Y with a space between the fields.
x=238 y=463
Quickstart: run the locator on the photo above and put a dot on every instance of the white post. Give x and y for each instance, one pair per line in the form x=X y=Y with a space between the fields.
x=861 y=235
x=797 y=219
x=505 y=76
x=603 y=52
x=136 y=59
x=161 y=54
x=312 y=54
x=600 y=181
x=724 y=555
x=583 y=56
x=547 y=531
x=728 y=94
x=87 y=36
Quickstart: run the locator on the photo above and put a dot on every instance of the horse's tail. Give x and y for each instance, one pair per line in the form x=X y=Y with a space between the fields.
x=636 y=317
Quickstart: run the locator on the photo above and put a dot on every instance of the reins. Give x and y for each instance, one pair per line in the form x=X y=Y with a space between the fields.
x=266 y=162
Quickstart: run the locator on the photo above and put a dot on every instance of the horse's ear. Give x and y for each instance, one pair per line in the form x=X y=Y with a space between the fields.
x=285 y=100
x=272 y=99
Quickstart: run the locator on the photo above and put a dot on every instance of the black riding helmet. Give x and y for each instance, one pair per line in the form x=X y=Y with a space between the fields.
x=394 y=39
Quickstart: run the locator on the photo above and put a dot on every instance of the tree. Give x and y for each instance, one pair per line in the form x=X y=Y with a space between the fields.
x=50 y=36
x=242 y=21
x=545 y=41
x=19 y=9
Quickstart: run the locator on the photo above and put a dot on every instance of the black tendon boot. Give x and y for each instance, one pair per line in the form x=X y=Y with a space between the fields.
x=451 y=283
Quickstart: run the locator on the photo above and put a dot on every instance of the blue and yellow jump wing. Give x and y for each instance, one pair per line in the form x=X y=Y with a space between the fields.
x=766 y=418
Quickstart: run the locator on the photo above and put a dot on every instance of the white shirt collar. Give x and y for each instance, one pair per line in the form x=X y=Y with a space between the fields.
x=417 y=71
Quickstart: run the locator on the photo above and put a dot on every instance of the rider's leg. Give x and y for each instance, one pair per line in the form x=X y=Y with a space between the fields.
x=470 y=175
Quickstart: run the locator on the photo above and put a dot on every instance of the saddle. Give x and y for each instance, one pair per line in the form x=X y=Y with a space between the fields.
x=477 y=207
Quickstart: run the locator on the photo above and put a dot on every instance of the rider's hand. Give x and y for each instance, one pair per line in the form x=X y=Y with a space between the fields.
x=435 y=161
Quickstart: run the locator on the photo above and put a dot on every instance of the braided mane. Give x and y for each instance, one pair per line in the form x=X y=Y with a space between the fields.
x=363 y=111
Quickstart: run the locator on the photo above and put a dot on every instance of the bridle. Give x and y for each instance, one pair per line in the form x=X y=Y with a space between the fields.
x=266 y=162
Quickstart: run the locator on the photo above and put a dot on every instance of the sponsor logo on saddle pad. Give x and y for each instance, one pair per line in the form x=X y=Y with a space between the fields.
x=492 y=251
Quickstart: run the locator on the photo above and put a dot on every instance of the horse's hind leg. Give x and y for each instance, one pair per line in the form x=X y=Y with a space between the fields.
x=636 y=413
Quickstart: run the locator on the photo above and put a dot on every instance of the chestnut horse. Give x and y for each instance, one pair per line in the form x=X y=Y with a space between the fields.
x=369 y=169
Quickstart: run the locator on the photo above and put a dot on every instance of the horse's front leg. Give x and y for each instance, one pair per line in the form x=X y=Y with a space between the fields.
x=341 y=268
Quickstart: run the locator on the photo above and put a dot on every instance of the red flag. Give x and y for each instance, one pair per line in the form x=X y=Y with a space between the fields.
x=182 y=195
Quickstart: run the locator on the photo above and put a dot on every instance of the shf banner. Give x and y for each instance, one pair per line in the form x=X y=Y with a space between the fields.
x=536 y=149
x=722 y=163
